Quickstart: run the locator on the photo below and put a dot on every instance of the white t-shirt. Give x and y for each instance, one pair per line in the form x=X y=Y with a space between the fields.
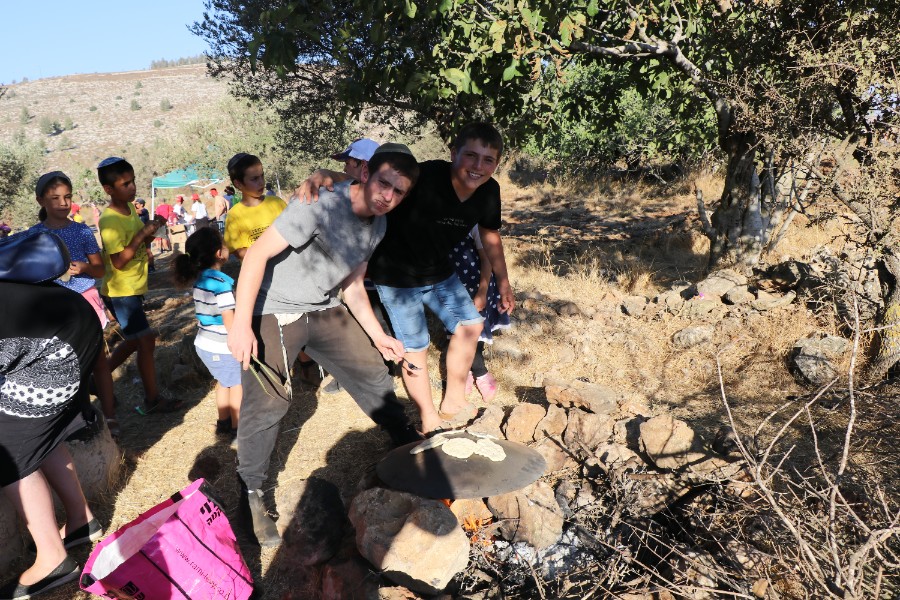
x=199 y=210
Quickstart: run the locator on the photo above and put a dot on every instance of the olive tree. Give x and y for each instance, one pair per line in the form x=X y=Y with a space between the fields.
x=792 y=86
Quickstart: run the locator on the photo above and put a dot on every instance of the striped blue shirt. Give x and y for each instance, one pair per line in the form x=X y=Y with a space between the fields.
x=213 y=293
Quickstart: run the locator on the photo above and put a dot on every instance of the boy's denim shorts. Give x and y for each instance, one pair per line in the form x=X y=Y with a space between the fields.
x=224 y=367
x=129 y=312
x=448 y=300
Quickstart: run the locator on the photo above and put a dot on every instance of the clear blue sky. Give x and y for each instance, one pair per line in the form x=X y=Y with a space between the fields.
x=48 y=38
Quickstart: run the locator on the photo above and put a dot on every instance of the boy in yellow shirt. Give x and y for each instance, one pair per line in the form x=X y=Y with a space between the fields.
x=125 y=256
x=249 y=218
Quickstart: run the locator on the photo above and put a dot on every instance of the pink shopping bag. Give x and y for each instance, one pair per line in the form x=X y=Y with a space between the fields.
x=182 y=548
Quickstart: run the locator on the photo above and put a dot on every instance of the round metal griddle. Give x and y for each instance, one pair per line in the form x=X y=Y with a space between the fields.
x=435 y=474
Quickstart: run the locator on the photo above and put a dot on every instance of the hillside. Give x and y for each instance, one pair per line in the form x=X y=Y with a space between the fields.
x=100 y=108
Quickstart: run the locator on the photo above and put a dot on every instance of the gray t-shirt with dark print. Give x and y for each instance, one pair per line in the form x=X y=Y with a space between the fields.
x=326 y=243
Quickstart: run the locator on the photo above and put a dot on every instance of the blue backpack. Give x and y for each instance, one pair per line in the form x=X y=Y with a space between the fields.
x=33 y=257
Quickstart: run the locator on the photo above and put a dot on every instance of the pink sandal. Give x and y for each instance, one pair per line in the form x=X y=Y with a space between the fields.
x=487 y=386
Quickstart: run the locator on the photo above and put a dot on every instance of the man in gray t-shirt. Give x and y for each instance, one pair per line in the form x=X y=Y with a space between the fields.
x=287 y=300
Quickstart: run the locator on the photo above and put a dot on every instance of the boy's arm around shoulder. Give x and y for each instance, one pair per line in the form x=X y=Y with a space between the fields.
x=493 y=247
x=357 y=300
x=241 y=340
x=308 y=191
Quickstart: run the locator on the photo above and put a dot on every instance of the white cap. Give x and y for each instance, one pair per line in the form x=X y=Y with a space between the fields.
x=361 y=149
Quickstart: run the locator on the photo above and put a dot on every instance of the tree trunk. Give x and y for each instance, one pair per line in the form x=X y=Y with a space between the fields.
x=889 y=348
x=737 y=234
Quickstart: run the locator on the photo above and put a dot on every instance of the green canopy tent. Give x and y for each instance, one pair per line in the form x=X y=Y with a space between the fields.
x=188 y=177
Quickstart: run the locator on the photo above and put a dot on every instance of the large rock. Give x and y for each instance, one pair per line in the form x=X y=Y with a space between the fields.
x=554 y=423
x=692 y=336
x=587 y=429
x=522 y=421
x=312 y=521
x=718 y=283
x=414 y=541
x=97 y=460
x=669 y=442
x=810 y=358
x=531 y=515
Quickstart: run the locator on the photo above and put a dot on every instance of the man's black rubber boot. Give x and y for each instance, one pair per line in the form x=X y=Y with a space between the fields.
x=264 y=528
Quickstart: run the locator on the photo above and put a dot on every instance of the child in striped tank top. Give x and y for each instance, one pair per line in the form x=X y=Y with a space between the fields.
x=205 y=253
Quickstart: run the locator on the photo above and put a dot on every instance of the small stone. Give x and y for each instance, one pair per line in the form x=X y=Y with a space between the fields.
x=531 y=304
x=634 y=306
x=810 y=366
x=554 y=423
x=596 y=398
x=669 y=442
x=671 y=301
x=739 y=294
x=530 y=515
x=612 y=454
x=470 y=508
x=628 y=431
x=489 y=421
x=760 y=587
x=692 y=336
x=522 y=421
x=568 y=309
x=827 y=345
x=766 y=301
x=718 y=283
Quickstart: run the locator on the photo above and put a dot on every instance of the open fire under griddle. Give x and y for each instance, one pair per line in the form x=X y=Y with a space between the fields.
x=461 y=464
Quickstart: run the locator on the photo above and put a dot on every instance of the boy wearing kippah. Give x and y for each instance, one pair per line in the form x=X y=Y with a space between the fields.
x=125 y=255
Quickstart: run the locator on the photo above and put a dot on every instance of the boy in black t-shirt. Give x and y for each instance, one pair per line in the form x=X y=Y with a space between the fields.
x=411 y=267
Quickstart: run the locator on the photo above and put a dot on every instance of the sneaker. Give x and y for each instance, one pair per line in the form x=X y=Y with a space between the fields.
x=223 y=426
x=487 y=386
x=87 y=533
x=333 y=387
x=264 y=529
x=68 y=570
